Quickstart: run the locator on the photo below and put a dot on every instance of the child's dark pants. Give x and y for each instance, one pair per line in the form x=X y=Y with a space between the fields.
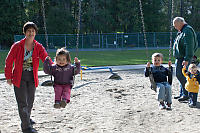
x=193 y=98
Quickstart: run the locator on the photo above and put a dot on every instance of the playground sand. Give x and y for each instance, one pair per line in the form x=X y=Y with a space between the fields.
x=102 y=105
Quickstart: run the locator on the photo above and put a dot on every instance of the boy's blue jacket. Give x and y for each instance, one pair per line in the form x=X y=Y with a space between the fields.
x=160 y=73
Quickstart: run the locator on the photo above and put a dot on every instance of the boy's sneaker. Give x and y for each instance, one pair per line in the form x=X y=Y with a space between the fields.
x=63 y=103
x=168 y=107
x=56 y=105
x=162 y=105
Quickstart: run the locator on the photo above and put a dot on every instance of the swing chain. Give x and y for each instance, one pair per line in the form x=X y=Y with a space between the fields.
x=77 y=38
x=45 y=27
x=143 y=27
x=171 y=29
x=78 y=27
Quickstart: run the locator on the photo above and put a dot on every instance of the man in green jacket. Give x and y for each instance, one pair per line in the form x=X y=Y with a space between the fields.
x=185 y=46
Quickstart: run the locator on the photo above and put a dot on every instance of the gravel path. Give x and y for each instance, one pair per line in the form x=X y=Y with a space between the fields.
x=102 y=105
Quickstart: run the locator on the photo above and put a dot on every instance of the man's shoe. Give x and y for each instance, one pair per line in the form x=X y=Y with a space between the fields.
x=192 y=106
x=32 y=122
x=177 y=97
x=183 y=99
x=29 y=130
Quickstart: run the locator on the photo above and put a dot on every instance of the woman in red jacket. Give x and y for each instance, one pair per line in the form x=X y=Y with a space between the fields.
x=25 y=55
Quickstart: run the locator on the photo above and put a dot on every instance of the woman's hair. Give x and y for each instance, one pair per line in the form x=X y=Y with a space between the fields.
x=157 y=55
x=29 y=25
x=63 y=51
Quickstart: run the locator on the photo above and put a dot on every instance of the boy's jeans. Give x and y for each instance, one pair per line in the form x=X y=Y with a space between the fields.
x=164 y=92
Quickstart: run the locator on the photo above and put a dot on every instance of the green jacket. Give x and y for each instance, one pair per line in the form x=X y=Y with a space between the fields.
x=186 y=43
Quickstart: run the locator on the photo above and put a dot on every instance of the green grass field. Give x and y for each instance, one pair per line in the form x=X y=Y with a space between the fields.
x=107 y=58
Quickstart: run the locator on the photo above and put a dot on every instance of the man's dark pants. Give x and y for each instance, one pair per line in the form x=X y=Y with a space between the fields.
x=181 y=78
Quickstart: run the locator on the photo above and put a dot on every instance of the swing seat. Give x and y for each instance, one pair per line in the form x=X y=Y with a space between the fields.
x=153 y=83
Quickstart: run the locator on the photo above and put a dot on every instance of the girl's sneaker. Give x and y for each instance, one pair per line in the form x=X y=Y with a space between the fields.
x=57 y=105
x=63 y=103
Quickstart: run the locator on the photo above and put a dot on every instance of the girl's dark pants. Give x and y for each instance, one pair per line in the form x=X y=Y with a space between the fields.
x=25 y=97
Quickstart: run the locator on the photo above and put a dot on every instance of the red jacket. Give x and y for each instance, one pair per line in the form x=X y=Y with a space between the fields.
x=16 y=55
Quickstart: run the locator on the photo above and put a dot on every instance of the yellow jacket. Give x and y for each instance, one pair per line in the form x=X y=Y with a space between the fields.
x=192 y=84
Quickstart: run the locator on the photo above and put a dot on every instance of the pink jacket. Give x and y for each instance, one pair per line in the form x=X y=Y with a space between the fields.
x=16 y=56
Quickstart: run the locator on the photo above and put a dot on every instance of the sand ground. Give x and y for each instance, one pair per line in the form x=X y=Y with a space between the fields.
x=102 y=105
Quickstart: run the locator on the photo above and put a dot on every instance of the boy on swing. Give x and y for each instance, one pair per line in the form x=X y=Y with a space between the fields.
x=160 y=74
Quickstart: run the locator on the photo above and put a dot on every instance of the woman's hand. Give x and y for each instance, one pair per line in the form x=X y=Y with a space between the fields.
x=48 y=58
x=9 y=81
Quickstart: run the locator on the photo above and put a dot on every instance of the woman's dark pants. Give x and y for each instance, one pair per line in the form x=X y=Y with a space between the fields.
x=25 y=98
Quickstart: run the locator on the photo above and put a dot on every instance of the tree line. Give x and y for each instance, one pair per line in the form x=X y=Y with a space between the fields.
x=97 y=16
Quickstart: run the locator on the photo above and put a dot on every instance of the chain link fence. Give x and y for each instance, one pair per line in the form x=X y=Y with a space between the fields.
x=101 y=41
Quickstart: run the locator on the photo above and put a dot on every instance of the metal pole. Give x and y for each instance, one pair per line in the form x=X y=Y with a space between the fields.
x=99 y=40
x=82 y=40
x=154 y=39
x=138 y=40
x=65 y=41
x=171 y=28
x=122 y=40
x=45 y=27
x=78 y=28
x=102 y=39
x=181 y=8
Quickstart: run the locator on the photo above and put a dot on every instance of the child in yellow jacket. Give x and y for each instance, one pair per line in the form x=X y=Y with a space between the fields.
x=192 y=84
